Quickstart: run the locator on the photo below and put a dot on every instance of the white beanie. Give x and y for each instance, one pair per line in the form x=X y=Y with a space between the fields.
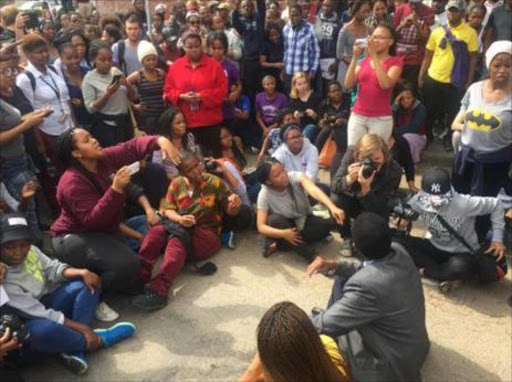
x=496 y=48
x=144 y=49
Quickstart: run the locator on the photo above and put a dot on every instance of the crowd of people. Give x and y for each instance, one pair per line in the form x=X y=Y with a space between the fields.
x=128 y=140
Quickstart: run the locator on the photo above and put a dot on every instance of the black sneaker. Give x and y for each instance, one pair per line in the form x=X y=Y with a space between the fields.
x=149 y=300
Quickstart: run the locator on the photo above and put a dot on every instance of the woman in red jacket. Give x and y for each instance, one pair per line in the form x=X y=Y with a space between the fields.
x=197 y=85
x=87 y=229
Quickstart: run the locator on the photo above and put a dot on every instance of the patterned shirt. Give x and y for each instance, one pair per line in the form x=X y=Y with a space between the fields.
x=206 y=201
x=301 y=49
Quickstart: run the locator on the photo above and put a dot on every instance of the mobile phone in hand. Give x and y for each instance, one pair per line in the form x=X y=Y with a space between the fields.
x=116 y=79
x=134 y=168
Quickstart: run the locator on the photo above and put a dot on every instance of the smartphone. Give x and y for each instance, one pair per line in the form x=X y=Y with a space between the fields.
x=134 y=168
x=116 y=79
x=362 y=42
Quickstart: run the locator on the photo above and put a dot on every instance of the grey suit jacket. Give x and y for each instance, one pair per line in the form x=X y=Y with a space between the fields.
x=381 y=316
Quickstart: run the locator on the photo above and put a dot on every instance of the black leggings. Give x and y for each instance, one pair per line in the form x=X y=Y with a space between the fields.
x=315 y=229
x=108 y=255
x=437 y=264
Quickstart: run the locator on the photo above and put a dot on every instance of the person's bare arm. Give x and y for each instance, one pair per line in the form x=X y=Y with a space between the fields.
x=130 y=232
x=458 y=122
x=473 y=57
x=427 y=60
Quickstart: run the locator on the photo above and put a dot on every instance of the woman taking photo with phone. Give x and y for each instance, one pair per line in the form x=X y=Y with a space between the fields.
x=107 y=96
x=376 y=76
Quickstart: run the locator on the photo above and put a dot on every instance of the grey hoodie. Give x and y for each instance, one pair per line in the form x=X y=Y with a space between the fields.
x=460 y=213
x=27 y=282
x=306 y=161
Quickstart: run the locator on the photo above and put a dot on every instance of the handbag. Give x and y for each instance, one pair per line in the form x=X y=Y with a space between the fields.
x=327 y=153
x=488 y=269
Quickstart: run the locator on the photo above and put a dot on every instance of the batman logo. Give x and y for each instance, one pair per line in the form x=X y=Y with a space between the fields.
x=481 y=120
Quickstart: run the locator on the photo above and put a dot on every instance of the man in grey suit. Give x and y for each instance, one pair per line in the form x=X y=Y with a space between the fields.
x=377 y=310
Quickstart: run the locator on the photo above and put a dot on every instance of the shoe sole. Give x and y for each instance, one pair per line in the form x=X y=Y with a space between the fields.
x=137 y=305
x=101 y=331
x=75 y=364
x=106 y=319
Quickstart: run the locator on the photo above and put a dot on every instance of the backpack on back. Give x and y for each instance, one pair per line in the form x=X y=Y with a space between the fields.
x=460 y=70
x=32 y=79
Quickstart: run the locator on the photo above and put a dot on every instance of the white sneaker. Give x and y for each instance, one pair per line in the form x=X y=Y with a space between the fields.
x=105 y=313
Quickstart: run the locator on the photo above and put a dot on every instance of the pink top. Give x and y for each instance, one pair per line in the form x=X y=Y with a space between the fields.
x=372 y=100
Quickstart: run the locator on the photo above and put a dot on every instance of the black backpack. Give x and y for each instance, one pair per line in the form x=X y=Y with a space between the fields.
x=121 y=47
x=32 y=79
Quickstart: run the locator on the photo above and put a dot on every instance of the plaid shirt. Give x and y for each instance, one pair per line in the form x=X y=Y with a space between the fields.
x=301 y=50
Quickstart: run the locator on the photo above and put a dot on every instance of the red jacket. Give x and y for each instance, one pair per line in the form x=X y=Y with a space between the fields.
x=83 y=209
x=208 y=79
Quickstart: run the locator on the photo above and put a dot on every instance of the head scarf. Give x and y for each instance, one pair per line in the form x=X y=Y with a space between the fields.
x=496 y=48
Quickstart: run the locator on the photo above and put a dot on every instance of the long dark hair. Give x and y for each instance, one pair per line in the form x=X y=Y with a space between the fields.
x=240 y=158
x=165 y=126
x=291 y=349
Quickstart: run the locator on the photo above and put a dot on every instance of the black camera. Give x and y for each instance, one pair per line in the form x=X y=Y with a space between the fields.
x=211 y=166
x=15 y=324
x=398 y=206
x=369 y=167
x=330 y=118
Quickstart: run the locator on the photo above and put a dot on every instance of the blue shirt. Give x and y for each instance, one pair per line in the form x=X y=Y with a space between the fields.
x=301 y=50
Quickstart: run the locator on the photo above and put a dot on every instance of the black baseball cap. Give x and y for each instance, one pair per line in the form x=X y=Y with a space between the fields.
x=14 y=227
x=170 y=35
x=436 y=181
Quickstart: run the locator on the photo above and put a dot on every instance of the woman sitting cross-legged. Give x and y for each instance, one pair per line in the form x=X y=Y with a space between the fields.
x=197 y=206
x=87 y=232
x=284 y=211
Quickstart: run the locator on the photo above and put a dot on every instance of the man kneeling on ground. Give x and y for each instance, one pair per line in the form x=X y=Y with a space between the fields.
x=197 y=205
x=378 y=308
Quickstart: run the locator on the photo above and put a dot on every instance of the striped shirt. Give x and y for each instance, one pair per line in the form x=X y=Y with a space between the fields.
x=150 y=94
x=301 y=50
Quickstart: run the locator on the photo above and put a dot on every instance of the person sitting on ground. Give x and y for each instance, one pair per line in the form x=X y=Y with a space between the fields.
x=451 y=252
x=290 y=349
x=357 y=187
x=172 y=125
x=86 y=233
x=297 y=153
x=284 y=215
x=334 y=113
x=56 y=300
x=305 y=103
x=268 y=104
x=410 y=117
x=198 y=206
x=273 y=140
x=376 y=309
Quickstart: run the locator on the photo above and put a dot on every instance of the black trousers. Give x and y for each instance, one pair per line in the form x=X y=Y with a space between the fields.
x=315 y=229
x=208 y=138
x=441 y=100
x=240 y=222
x=437 y=264
x=352 y=209
x=251 y=70
x=108 y=255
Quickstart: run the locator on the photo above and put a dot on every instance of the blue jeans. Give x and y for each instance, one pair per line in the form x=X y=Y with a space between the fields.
x=139 y=224
x=49 y=337
x=310 y=132
x=15 y=173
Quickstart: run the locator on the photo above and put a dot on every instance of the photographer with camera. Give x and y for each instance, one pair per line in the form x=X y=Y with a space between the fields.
x=364 y=182
x=451 y=250
x=56 y=302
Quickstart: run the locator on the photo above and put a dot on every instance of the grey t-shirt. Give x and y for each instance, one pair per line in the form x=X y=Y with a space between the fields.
x=130 y=58
x=487 y=126
x=501 y=18
x=281 y=203
x=11 y=117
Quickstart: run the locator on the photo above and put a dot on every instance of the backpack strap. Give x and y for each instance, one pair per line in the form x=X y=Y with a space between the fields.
x=32 y=78
x=121 y=47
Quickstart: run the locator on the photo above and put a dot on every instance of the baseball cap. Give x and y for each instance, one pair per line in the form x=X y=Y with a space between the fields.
x=436 y=181
x=161 y=9
x=170 y=35
x=191 y=14
x=14 y=226
x=459 y=5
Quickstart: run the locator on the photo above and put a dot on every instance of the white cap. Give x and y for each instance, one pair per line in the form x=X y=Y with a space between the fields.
x=496 y=48
x=145 y=49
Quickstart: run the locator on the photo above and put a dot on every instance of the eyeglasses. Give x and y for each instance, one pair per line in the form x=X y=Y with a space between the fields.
x=10 y=71
x=225 y=137
x=296 y=138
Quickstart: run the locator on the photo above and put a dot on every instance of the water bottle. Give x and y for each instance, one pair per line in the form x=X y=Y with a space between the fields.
x=194 y=106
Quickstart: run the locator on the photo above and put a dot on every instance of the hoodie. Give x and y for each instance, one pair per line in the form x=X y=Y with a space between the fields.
x=410 y=121
x=460 y=213
x=306 y=161
x=27 y=282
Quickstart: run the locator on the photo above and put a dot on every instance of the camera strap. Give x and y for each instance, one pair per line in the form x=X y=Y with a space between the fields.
x=452 y=231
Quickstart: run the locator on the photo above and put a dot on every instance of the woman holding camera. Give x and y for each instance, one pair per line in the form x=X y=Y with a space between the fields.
x=107 y=96
x=376 y=76
x=366 y=178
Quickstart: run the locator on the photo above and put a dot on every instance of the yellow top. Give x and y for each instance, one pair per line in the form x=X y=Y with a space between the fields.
x=334 y=353
x=443 y=59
